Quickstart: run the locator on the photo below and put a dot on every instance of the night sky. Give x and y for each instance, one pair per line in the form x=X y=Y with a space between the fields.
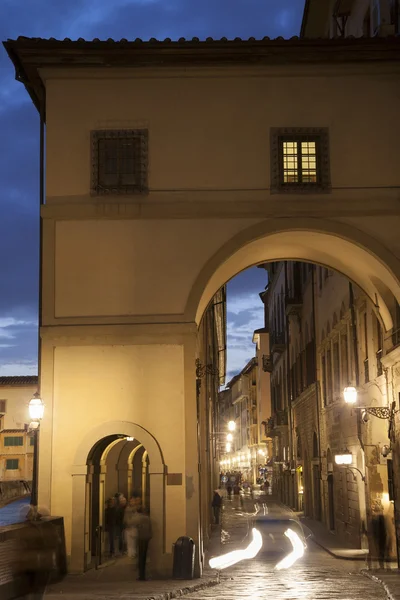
x=19 y=126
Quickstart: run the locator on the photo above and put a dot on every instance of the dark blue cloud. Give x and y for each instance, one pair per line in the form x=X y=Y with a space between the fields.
x=19 y=124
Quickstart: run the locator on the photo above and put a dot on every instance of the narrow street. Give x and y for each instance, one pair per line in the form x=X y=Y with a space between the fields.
x=316 y=576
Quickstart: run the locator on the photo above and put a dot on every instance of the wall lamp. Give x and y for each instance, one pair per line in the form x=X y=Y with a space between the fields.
x=345 y=459
x=350 y=395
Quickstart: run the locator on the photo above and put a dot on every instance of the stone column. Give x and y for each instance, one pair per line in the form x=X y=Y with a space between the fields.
x=191 y=450
x=77 y=552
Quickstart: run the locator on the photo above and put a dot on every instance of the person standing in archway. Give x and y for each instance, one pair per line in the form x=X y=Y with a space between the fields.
x=119 y=522
x=145 y=534
x=110 y=524
x=131 y=523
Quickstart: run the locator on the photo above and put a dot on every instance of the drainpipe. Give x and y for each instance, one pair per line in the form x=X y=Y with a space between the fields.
x=42 y=201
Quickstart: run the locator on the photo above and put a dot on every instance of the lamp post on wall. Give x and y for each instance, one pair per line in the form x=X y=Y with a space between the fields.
x=36 y=410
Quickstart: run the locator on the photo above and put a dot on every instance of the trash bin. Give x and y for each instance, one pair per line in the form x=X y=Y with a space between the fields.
x=184 y=550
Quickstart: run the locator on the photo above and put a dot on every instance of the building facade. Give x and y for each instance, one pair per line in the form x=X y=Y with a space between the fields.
x=16 y=444
x=246 y=401
x=171 y=166
x=333 y=339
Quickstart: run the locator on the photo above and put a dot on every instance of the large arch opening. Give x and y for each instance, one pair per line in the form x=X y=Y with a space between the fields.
x=336 y=245
x=325 y=348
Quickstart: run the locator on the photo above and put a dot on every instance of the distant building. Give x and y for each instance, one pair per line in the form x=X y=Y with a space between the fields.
x=16 y=445
x=328 y=337
x=346 y=18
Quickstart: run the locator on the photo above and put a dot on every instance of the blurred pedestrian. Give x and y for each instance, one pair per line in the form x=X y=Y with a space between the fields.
x=229 y=490
x=110 y=522
x=35 y=561
x=131 y=523
x=145 y=534
x=119 y=522
x=216 y=505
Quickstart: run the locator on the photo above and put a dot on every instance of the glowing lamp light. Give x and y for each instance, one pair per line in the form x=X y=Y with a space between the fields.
x=130 y=439
x=36 y=408
x=344 y=459
x=231 y=558
x=350 y=395
x=229 y=437
x=231 y=425
x=297 y=552
x=261 y=452
x=228 y=447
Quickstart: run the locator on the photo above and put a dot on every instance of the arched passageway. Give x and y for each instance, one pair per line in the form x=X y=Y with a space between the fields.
x=116 y=465
x=337 y=245
x=128 y=462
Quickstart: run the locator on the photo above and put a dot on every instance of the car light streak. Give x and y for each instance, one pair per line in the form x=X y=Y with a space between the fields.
x=297 y=552
x=231 y=558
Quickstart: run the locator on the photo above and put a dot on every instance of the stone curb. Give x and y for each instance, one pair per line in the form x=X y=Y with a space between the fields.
x=196 y=587
x=177 y=593
x=378 y=580
x=338 y=556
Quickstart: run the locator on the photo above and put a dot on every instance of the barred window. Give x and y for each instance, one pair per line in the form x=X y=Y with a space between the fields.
x=299 y=160
x=119 y=161
x=12 y=464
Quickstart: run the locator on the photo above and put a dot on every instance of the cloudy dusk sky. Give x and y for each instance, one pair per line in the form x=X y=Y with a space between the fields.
x=19 y=126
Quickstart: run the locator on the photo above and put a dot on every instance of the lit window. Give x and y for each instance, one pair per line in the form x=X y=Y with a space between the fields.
x=299 y=160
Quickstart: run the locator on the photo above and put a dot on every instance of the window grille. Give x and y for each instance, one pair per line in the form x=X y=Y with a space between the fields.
x=119 y=161
x=300 y=160
x=12 y=464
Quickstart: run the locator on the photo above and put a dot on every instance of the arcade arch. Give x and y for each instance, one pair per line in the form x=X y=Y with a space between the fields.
x=339 y=246
x=115 y=457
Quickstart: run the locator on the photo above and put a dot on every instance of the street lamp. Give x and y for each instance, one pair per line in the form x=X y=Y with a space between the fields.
x=350 y=395
x=228 y=447
x=344 y=459
x=231 y=426
x=382 y=412
x=229 y=437
x=36 y=410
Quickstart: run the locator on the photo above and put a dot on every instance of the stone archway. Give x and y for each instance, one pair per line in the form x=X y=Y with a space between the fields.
x=156 y=470
x=350 y=251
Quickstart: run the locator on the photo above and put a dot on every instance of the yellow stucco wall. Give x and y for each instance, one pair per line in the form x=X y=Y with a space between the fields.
x=93 y=385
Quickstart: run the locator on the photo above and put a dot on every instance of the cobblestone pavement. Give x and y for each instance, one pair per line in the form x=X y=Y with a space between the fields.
x=317 y=576
x=11 y=513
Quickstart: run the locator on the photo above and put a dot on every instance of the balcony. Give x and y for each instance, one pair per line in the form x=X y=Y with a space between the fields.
x=267 y=364
x=293 y=304
x=274 y=425
x=278 y=342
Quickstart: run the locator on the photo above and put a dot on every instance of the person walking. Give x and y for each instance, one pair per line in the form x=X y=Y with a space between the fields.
x=145 y=534
x=216 y=505
x=131 y=523
x=110 y=522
